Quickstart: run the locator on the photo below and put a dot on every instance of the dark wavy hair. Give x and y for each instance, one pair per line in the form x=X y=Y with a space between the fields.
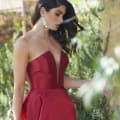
x=66 y=31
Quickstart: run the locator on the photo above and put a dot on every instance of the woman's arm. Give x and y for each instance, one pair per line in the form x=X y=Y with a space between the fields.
x=74 y=83
x=20 y=59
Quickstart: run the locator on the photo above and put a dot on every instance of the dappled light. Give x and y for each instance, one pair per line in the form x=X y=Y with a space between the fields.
x=97 y=57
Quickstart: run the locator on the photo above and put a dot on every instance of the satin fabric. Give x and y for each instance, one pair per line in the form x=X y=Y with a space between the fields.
x=47 y=99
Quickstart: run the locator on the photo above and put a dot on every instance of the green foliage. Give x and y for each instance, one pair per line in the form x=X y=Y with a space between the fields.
x=95 y=111
x=6 y=78
x=82 y=65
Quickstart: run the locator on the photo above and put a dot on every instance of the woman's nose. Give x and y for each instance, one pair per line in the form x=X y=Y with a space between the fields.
x=61 y=19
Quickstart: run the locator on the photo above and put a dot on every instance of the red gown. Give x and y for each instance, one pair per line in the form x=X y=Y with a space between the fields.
x=47 y=99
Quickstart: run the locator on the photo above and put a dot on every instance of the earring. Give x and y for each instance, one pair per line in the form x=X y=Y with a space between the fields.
x=44 y=22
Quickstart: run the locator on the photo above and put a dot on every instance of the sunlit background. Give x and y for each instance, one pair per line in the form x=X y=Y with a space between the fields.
x=97 y=56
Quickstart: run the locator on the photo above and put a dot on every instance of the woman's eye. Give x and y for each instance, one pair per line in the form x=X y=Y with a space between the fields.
x=57 y=14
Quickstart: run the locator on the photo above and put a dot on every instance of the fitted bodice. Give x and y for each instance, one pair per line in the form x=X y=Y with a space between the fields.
x=42 y=71
x=47 y=90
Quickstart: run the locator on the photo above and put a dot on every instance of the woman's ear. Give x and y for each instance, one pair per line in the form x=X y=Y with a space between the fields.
x=42 y=11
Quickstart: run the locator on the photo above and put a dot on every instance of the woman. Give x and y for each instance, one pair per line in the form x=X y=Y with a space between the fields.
x=41 y=54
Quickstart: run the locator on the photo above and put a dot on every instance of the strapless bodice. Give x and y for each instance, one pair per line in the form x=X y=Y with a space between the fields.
x=42 y=71
x=47 y=99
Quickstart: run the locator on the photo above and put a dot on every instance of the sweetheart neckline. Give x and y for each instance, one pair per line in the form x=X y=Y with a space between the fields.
x=42 y=54
x=46 y=52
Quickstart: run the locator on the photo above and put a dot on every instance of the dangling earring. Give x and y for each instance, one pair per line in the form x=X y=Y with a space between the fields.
x=44 y=22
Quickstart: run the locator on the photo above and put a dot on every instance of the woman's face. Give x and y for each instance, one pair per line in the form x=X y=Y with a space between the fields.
x=54 y=17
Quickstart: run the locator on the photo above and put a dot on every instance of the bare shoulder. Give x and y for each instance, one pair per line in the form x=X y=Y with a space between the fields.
x=21 y=45
x=24 y=41
x=21 y=42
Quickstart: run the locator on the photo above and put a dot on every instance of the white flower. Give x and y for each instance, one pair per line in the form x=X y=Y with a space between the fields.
x=109 y=65
x=104 y=62
x=117 y=52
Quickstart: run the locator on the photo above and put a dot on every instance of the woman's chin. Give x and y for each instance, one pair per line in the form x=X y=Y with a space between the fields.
x=54 y=29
